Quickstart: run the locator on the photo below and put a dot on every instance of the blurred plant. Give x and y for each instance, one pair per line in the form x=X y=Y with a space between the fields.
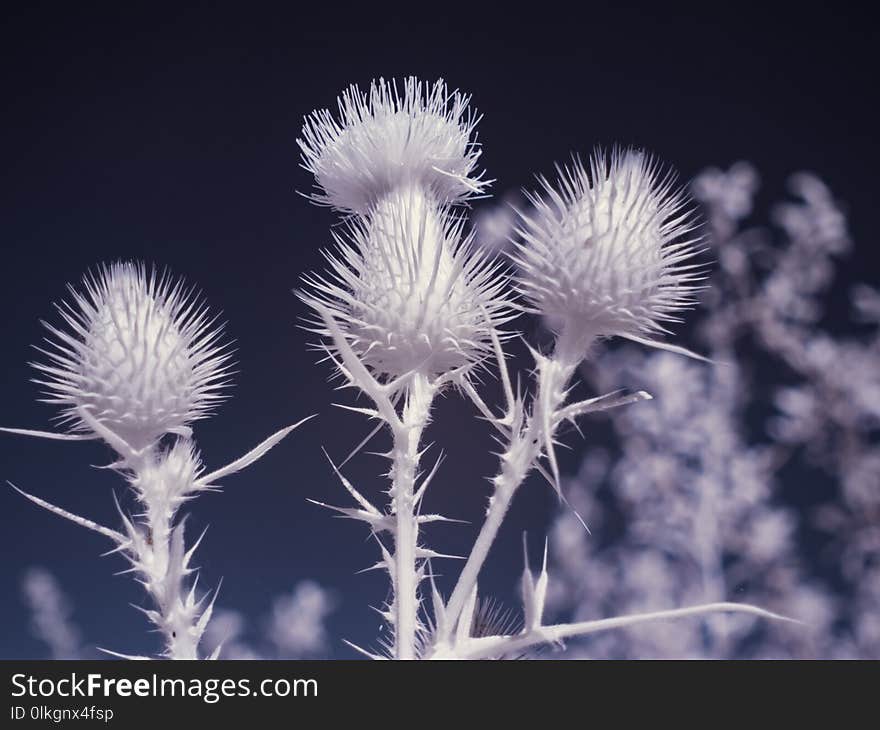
x=495 y=224
x=295 y=628
x=140 y=359
x=51 y=614
x=697 y=507
x=411 y=307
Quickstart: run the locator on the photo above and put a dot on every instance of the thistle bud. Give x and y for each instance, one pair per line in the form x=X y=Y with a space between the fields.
x=170 y=477
x=409 y=291
x=603 y=254
x=140 y=355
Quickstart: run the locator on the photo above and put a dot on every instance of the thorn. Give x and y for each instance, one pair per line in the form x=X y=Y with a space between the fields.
x=76 y=519
x=417 y=498
x=50 y=435
x=133 y=657
x=426 y=553
x=425 y=519
x=189 y=553
x=360 y=499
x=363 y=443
x=362 y=651
x=250 y=457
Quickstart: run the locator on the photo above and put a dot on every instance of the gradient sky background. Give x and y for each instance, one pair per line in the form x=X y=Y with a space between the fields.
x=169 y=136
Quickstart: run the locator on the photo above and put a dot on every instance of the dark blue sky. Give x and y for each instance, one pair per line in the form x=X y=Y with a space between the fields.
x=169 y=136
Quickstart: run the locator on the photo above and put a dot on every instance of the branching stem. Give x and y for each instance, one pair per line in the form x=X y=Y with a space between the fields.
x=527 y=443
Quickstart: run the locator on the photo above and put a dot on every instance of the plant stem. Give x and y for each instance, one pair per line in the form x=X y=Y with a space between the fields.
x=162 y=560
x=488 y=646
x=520 y=457
x=416 y=411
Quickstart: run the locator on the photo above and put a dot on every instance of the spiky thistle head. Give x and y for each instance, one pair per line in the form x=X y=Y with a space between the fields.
x=607 y=252
x=409 y=291
x=384 y=139
x=140 y=354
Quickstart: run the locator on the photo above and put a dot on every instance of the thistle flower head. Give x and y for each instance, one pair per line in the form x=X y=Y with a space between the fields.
x=384 y=139
x=140 y=354
x=605 y=251
x=409 y=292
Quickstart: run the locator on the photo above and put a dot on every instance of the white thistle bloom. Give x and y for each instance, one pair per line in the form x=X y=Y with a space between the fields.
x=603 y=252
x=383 y=140
x=409 y=292
x=141 y=356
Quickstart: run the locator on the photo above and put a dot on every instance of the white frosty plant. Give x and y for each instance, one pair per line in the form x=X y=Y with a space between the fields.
x=410 y=306
x=141 y=358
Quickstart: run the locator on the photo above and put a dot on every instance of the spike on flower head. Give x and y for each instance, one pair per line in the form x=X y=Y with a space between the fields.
x=606 y=252
x=409 y=292
x=384 y=139
x=140 y=353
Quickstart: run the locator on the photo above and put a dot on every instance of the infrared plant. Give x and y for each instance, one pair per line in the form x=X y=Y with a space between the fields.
x=409 y=307
x=141 y=359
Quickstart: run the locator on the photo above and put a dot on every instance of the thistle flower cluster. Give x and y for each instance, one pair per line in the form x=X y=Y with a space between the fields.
x=409 y=305
x=140 y=359
x=406 y=286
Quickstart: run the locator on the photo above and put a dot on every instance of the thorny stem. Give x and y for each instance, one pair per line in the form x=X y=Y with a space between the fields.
x=406 y=431
x=152 y=542
x=156 y=551
x=163 y=567
x=416 y=411
x=488 y=646
x=520 y=457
